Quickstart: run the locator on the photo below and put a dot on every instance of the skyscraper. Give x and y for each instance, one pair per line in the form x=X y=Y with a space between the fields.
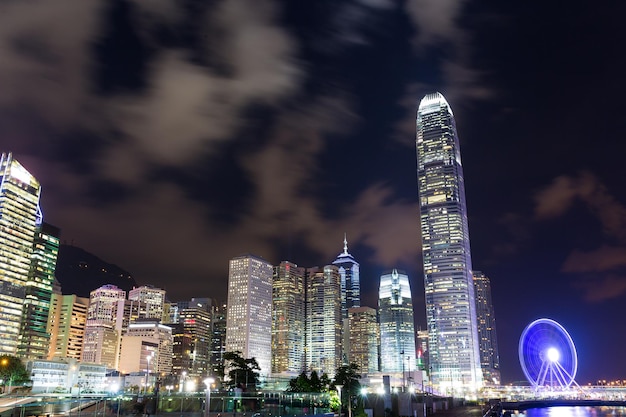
x=249 y=317
x=323 y=322
x=450 y=305
x=102 y=335
x=364 y=339
x=350 y=282
x=397 y=334
x=288 y=319
x=19 y=218
x=34 y=337
x=66 y=325
x=487 y=339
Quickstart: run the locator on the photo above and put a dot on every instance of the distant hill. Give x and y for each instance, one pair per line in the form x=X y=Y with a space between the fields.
x=81 y=272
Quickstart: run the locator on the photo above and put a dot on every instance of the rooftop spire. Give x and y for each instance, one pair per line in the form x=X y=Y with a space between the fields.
x=345 y=243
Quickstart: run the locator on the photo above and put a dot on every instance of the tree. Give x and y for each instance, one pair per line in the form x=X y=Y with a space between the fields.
x=241 y=371
x=309 y=383
x=12 y=371
x=346 y=375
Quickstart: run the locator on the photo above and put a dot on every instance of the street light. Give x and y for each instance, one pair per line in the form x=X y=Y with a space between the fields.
x=182 y=397
x=149 y=358
x=208 y=382
x=339 y=392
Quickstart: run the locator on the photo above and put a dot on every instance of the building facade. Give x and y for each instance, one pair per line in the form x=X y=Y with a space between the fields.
x=192 y=338
x=348 y=269
x=66 y=325
x=152 y=298
x=249 y=317
x=397 y=333
x=364 y=339
x=19 y=218
x=449 y=290
x=34 y=337
x=487 y=336
x=288 y=319
x=324 y=342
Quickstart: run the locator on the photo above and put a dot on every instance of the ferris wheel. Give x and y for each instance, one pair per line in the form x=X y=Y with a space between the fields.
x=547 y=355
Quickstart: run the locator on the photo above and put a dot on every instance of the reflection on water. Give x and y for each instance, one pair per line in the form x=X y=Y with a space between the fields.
x=573 y=412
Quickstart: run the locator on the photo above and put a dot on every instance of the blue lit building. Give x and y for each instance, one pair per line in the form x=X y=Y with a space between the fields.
x=449 y=289
x=350 y=282
x=397 y=333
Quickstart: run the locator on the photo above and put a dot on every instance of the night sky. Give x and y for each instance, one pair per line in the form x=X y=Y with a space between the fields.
x=170 y=136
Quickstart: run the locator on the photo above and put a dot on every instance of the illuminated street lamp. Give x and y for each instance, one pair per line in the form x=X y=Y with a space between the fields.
x=339 y=392
x=208 y=382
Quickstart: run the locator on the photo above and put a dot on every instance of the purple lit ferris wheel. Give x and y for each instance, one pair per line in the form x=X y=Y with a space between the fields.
x=547 y=355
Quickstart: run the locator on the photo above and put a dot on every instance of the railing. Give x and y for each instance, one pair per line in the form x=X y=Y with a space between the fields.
x=179 y=404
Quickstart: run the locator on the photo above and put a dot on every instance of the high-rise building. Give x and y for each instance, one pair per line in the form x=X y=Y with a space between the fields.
x=34 y=337
x=66 y=325
x=324 y=342
x=364 y=339
x=397 y=334
x=249 y=318
x=288 y=319
x=192 y=338
x=488 y=342
x=19 y=218
x=350 y=281
x=102 y=335
x=218 y=337
x=154 y=299
x=449 y=290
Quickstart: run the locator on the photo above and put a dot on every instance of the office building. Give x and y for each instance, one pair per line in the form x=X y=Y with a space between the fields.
x=148 y=333
x=19 y=218
x=348 y=269
x=324 y=342
x=153 y=299
x=66 y=325
x=249 y=317
x=364 y=339
x=397 y=333
x=449 y=290
x=192 y=338
x=102 y=330
x=487 y=338
x=288 y=319
x=34 y=337
x=218 y=337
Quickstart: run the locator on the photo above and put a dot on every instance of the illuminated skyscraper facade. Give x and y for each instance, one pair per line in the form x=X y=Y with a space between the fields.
x=449 y=290
x=288 y=319
x=323 y=322
x=34 y=337
x=249 y=317
x=348 y=269
x=19 y=218
x=66 y=325
x=153 y=298
x=364 y=339
x=397 y=331
x=487 y=337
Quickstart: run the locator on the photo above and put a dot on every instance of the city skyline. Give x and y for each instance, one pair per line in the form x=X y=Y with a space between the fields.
x=168 y=141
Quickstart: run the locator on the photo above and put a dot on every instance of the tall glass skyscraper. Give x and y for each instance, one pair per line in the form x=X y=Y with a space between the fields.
x=324 y=343
x=397 y=334
x=450 y=305
x=288 y=319
x=350 y=282
x=34 y=336
x=487 y=336
x=19 y=218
